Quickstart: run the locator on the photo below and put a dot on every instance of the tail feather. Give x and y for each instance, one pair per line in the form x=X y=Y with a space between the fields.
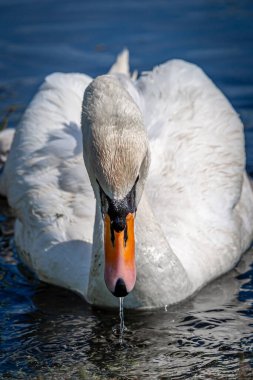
x=121 y=66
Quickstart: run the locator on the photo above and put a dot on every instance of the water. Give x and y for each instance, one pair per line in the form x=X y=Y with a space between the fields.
x=49 y=333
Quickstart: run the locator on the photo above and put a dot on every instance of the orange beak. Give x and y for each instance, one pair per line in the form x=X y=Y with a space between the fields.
x=120 y=271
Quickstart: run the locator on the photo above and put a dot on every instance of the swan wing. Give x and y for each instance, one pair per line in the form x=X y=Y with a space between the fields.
x=48 y=186
x=197 y=184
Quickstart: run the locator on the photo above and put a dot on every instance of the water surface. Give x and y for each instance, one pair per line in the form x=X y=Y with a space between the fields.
x=49 y=333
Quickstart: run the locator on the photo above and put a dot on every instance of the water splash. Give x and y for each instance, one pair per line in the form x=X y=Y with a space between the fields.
x=122 y=322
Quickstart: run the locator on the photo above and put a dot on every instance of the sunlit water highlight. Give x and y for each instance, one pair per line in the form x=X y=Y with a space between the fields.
x=49 y=333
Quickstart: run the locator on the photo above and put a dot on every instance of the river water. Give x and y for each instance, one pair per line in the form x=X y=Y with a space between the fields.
x=49 y=333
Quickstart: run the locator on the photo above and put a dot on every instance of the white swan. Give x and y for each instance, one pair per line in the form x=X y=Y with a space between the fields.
x=194 y=203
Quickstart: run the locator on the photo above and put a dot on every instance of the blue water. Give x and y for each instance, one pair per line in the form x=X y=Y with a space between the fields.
x=48 y=333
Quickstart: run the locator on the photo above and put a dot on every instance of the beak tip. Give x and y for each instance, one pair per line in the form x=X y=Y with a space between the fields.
x=120 y=289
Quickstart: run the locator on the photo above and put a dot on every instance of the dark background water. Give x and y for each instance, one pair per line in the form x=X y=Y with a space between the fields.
x=48 y=333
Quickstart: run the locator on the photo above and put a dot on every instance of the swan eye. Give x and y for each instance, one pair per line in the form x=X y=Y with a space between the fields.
x=103 y=199
x=131 y=197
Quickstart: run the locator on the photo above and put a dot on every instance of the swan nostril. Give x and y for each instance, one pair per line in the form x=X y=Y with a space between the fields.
x=120 y=289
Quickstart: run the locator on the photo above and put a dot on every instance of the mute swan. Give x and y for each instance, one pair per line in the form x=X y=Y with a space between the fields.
x=165 y=152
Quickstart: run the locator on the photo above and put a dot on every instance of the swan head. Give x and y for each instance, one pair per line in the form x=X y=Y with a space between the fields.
x=117 y=157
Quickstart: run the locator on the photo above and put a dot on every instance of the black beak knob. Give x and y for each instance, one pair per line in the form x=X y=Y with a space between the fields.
x=120 y=288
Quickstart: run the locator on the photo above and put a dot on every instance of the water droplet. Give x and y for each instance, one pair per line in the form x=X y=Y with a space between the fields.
x=121 y=316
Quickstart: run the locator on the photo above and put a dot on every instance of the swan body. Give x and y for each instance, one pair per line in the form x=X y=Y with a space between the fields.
x=195 y=203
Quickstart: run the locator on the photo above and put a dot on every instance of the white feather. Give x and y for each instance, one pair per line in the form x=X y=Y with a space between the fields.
x=195 y=217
